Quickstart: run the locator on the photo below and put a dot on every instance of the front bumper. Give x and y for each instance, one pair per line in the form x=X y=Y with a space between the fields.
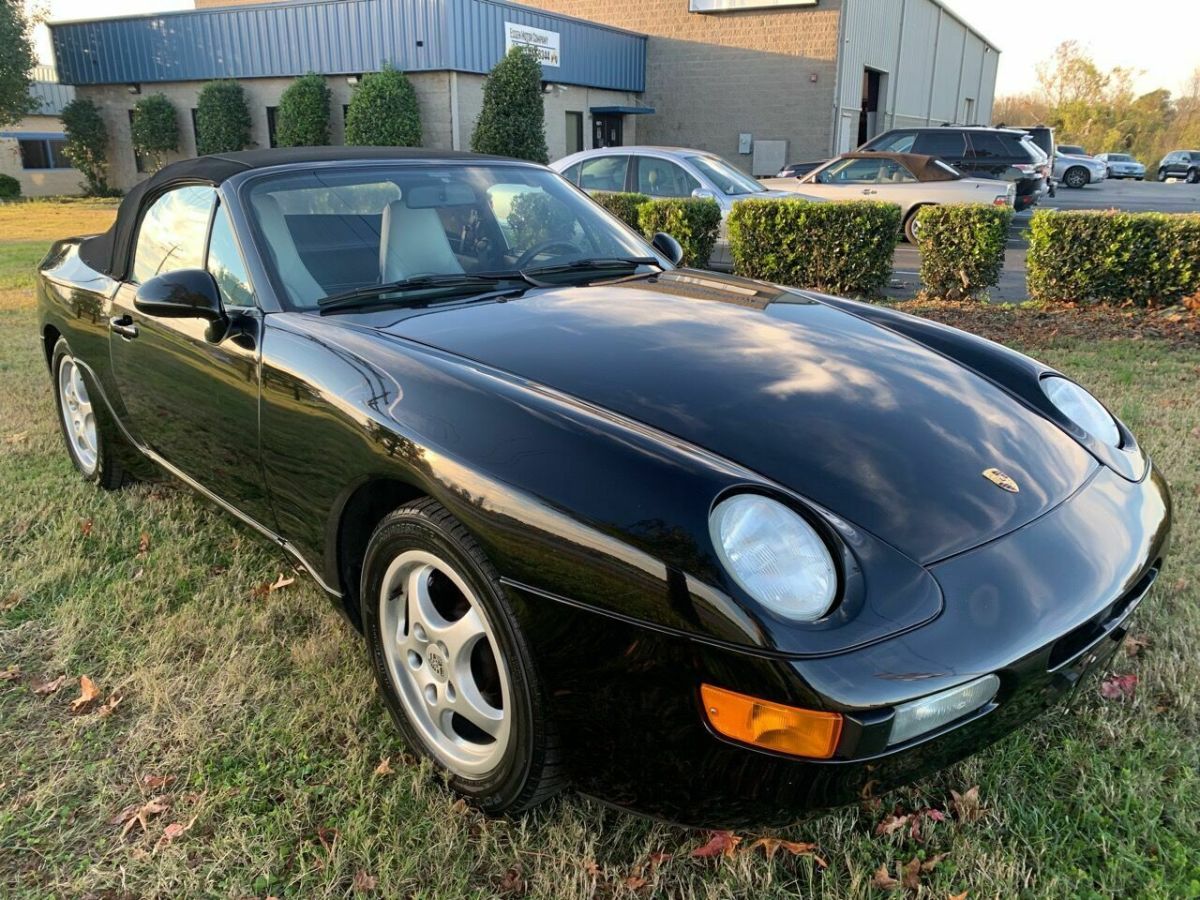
x=1040 y=608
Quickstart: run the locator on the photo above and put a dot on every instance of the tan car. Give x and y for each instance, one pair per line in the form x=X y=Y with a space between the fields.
x=909 y=180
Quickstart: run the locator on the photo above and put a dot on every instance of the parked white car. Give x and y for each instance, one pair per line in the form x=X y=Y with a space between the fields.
x=1074 y=168
x=910 y=180
x=667 y=172
x=1122 y=165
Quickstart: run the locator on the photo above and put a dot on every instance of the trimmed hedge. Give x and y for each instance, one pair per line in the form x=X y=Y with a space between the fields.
x=691 y=221
x=839 y=247
x=222 y=118
x=384 y=112
x=302 y=119
x=624 y=206
x=962 y=247
x=10 y=188
x=155 y=131
x=512 y=119
x=1147 y=259
x=87 y=144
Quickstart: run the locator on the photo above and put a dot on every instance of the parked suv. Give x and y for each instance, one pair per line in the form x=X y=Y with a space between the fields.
x=1005 y=154
x=1183 y=164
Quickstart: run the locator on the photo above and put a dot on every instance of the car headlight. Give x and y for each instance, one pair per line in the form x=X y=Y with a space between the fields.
x=1083 y=409
x=775 y=556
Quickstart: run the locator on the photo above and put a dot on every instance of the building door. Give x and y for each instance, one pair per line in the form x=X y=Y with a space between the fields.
x=608 y=130
x=574 y=141
x=868 y=117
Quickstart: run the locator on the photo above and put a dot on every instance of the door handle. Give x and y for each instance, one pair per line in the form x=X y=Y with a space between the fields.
x=123 y=325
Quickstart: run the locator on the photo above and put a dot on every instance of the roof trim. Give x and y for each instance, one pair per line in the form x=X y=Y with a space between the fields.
x=623 y=110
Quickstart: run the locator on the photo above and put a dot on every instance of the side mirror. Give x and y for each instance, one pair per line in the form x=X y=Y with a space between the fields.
x=182 y=294
x=703 y=194
x=668 y=247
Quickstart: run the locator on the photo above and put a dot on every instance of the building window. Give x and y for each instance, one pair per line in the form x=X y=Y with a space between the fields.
x=574 y=132
x=43 y=153
x=271 y=110
x=139 y=161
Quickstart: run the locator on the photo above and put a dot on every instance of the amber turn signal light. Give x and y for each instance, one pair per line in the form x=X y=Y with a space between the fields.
x=772 y=726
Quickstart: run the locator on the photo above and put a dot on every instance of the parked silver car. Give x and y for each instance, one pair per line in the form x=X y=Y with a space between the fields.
x=1122 y=165
x=667 y=172
x=1074 y=168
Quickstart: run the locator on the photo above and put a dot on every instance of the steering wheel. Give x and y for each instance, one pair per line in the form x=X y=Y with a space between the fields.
x=538 y=249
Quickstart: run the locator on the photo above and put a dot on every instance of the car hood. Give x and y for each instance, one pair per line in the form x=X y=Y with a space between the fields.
x=867 y=423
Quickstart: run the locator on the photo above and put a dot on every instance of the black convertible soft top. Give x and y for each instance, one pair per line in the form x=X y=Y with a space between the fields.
x=109 y=252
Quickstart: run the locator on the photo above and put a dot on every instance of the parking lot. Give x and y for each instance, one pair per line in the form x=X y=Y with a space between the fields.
x=1130 y=196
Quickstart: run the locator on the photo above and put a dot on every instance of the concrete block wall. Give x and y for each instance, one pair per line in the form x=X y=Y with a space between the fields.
x=37 y=182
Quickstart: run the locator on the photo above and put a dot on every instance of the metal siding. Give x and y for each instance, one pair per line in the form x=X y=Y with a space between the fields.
x=944 y=106
x=869 y=41
x=987 y=94
x=350 y=36
x=915 y=78
x=972 y=64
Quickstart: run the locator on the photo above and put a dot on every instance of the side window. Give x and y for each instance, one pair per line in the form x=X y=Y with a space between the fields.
x=662 y=178
x=857 y=171
x=225 y=263
x=604 y=173
x=944 y=142
x=172 y=232
x=899 y=142
x=571 y=173
x=988 y=145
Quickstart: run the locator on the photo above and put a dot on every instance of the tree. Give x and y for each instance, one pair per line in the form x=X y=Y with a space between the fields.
x=87 y=144
x=16 y=62
x=384 y=112
x=222 y=119
x=512 y=121
x=155 y=129
x=302 y=119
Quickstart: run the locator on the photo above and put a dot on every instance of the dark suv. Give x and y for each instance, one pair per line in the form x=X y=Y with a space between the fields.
x=1183 y=164
x=1005 y=154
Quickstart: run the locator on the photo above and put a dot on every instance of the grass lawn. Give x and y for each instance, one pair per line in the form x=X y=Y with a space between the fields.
x=249 y=734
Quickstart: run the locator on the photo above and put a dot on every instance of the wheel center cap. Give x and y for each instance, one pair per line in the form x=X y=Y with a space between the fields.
x=438 y=664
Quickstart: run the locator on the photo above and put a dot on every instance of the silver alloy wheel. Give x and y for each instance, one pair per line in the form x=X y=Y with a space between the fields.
x=78 y=415
x=445 y=664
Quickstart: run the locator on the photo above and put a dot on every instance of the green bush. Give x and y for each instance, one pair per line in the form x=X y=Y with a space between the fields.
x=10 y=188
x=1144 y=259
x=536 y=218
x=843 y=248
x=302 y=119
x=87 y=144
x=962 y=247
x=155 y=129
x=383 y=111
x=624 y=206
x=692 y=222
x=512 y=121
x=222 y=118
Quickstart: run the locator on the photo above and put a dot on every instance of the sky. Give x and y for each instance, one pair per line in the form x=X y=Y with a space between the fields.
x=1147 y=35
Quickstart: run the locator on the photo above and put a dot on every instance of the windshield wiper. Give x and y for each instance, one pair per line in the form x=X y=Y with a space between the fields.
x=594 y=263
x=378 y=294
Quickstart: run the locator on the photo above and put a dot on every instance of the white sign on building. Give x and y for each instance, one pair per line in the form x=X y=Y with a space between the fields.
x=543 y=43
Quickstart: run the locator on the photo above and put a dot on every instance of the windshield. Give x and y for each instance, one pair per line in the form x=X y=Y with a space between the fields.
x=1071 y=150
x=332 y=231
x=1120 y=157
x=727 y=179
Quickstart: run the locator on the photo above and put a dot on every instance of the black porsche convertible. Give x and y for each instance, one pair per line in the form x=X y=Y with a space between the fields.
x=703 y=547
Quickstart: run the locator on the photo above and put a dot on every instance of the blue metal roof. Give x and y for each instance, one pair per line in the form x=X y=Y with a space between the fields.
x=343 y=37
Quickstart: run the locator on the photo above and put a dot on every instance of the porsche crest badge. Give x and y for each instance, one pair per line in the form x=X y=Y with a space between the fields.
x=1002 y=481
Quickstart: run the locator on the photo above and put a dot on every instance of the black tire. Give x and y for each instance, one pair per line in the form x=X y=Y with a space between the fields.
x=910 y=225
x=1193 y=175
x=530 y=771
x=1076 y=177
x=108 y=472
x=1162 y=175
x=1140 y=177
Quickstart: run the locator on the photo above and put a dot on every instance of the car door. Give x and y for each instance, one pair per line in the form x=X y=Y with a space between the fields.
x=657 y=177
x=190 y=399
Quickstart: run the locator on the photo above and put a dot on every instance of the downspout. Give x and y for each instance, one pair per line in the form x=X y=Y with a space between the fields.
x=455 y=126
x=894 y=80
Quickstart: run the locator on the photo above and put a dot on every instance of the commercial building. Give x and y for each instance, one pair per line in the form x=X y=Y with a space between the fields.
x=32 y=150
x=761 y=82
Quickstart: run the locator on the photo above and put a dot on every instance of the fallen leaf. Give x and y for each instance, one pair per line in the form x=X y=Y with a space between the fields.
x=88 y=695
x=720 y=843
x=965 y=806
x=173 y=832
x=143 y=543
x=1135 y=644
x=635 y=882
x=460 y=807
x=932 y=863
x=140 y=815
x=328 y=837
x=12 y=601
x=12 y=673
x=384 y=767
x=593 y=869
x=49 y=687
x=18 y=438
x=280 y=583
x=511 y=883
x=962 y=896
x=772 y=845
x=364 y=883
x=260 y=591
x=1118 y=687
x=912 y=874
x=883 y=879
x=657 y=859
x=138 y=573
x=109 y=706
x=85 y=527
x=891 y=824
x=157 y=782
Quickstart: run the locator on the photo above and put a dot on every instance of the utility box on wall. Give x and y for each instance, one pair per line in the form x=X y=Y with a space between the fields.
x=769 y=158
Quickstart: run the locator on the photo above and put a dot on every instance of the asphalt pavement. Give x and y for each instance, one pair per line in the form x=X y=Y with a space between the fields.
x=1127 y=195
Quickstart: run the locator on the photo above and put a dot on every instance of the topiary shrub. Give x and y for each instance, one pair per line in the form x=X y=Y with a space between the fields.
x=1144 y=259
x=962 y=247
x=623 y=205
x=536 y=217
x=10 y=188
x=222 y=118
x=842 y=248
x=384 y=112
x=155 y=129
x=302 y=119
x=692 y=222
x=512 y=121
x=87 y=144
